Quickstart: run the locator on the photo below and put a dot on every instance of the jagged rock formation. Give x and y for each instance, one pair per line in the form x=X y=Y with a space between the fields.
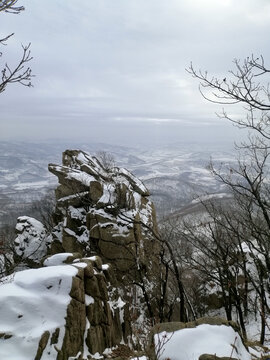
x=103 y=215
x=104 y=211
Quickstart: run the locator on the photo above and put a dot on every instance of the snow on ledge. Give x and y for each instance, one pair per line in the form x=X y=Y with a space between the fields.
x=57 y=259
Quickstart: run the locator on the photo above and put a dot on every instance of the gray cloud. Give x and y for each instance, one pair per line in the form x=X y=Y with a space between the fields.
x=105 y=60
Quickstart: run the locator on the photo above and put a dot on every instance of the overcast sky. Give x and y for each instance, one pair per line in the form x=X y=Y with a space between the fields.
x=114 y=70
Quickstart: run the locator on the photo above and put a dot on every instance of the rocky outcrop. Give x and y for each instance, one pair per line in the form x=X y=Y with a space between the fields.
x=106 y=212
x=60 y=311
x=103 y=216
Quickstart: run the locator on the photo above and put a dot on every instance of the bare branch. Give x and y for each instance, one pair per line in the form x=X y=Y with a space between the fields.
x=245 y=85
x=241 y=89
x=9 y=6
x=21 y=74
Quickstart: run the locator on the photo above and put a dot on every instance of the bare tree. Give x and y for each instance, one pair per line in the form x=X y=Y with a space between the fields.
x=20 y=73
x=170 y=274
x=7 y=236
x=43 y=210
x=248 y=181
x=106 y=159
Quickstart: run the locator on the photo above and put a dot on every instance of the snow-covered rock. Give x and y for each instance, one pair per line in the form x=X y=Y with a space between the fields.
x=59 y=311
x=206 y=338
x=57 y=259
x=103 y=211
x=216 y=340
x=32 y=240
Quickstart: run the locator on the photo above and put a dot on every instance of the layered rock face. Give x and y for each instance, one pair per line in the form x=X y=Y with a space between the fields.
x=103 y=211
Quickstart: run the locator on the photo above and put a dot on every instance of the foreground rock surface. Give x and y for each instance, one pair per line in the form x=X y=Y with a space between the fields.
x=60 y=311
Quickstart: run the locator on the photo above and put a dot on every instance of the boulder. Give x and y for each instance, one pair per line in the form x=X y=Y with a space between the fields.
x=31 y=242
